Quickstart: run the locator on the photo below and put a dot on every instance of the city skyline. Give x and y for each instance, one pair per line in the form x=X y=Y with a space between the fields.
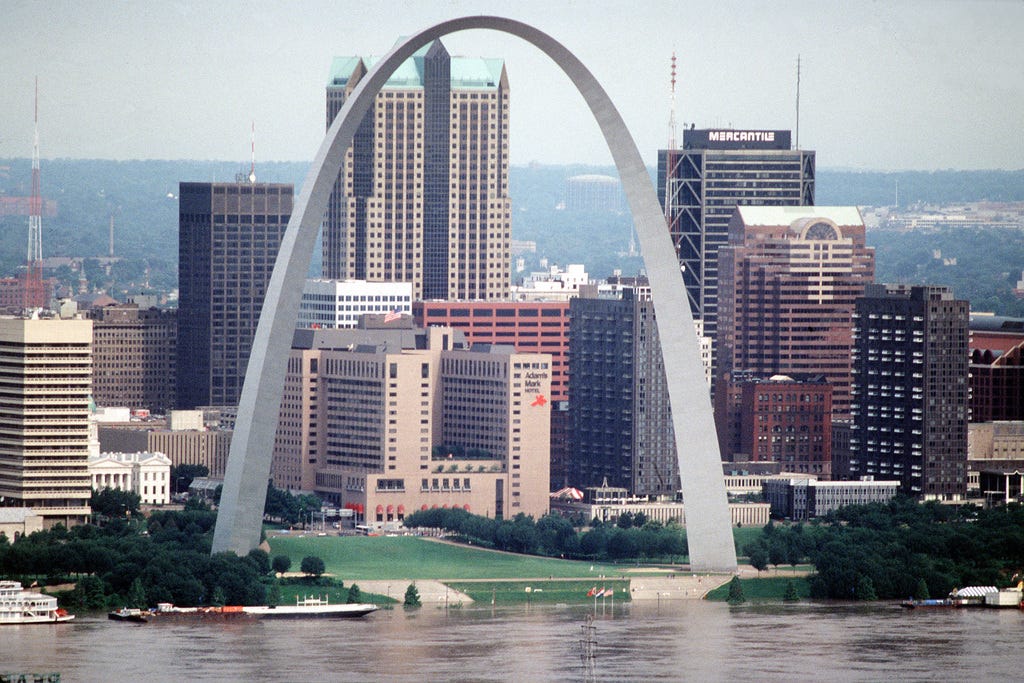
x=907 y=85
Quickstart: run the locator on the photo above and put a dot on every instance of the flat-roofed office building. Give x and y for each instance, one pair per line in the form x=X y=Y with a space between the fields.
x=621 y=422
x=229 y=236
x=910 y=389
x=134 y=357
x=387 y=422
x=340 y=303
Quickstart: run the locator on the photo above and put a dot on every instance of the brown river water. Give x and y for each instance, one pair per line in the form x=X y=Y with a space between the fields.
x=684 y=640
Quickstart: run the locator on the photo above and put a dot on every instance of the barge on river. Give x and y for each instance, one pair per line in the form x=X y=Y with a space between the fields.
x=304 y=608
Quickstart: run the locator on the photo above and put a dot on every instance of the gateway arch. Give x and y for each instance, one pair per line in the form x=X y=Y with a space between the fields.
x=708 y=525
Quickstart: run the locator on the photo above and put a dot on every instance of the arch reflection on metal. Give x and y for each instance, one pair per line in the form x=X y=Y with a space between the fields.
x=708 y=526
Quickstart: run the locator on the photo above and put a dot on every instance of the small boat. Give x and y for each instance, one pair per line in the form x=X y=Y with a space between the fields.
x=946 y=602
x=128 y=614
x=308 y=608
x=21 y=606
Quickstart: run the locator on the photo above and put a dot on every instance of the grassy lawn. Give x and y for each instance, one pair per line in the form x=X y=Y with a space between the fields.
x=514 y=592
x=409 y=557
x=337 y=594
x=763 y=590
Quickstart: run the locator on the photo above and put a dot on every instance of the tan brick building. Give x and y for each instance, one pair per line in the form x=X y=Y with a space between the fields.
x=413 y=421
x=134 y=357
x=207 y=446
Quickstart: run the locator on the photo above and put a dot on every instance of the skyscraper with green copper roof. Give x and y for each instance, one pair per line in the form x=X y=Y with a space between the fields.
x=423 y=194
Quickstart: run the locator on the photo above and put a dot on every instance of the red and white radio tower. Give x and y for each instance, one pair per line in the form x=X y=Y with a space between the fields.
x=34 y=294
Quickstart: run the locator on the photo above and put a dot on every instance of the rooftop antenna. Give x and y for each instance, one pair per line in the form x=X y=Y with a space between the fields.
x=33 y=292
x=669 y=156
x=252 y=165
x=672 y=111
x=798 y=101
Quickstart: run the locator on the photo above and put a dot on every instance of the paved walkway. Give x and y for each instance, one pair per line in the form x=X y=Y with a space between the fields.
x=671 y=586
x=675 y=586
x=431 y=592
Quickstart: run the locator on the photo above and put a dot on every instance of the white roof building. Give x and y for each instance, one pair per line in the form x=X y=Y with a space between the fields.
x=553 y=284
x=329 y=304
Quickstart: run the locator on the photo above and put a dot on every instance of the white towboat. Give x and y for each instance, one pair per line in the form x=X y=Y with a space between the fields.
x=310 y=607
x=20 y=606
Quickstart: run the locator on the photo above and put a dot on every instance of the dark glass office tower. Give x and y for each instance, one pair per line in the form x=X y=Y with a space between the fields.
x=910 y=389
x=701 y=184
x=621 y=423
x=228 y=238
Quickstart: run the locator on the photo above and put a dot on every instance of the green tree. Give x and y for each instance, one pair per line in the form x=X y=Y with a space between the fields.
x=736 y=592
x=260 y=560
x=182 y=476
x=274 y=594
x=89 y=593
x=137 y=595
x=312 y=566
x=921 y=590
x=625 y=520
x=865 y=588
x=354 y=595
x=412 y=596
x=778 y=550
x=196 y=504
x=791 y=594
x=281 y=564
x=758 y=556
x=218 y=599
x=114 y=502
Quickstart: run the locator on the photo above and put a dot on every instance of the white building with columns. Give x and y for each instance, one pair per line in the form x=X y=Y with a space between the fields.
x=147 y=474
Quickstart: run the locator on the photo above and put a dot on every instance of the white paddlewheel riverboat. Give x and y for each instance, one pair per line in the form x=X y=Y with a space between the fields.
x=21 y=606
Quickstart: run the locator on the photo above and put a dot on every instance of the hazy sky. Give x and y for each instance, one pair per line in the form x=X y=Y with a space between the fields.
x=885 y=85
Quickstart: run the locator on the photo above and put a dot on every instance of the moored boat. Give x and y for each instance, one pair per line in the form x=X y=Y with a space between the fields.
x=311 y=608
x=128 y=614
x=21 y=606
x=945 y=602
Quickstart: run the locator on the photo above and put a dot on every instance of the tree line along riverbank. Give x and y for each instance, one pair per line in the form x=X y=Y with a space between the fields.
x=889 y=551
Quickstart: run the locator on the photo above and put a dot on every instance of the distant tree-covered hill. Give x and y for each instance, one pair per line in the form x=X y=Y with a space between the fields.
x=874 y=188
x=142 y=198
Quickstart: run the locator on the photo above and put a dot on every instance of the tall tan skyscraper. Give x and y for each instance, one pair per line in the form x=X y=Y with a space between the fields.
x=423 y=194
x=44 y=417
